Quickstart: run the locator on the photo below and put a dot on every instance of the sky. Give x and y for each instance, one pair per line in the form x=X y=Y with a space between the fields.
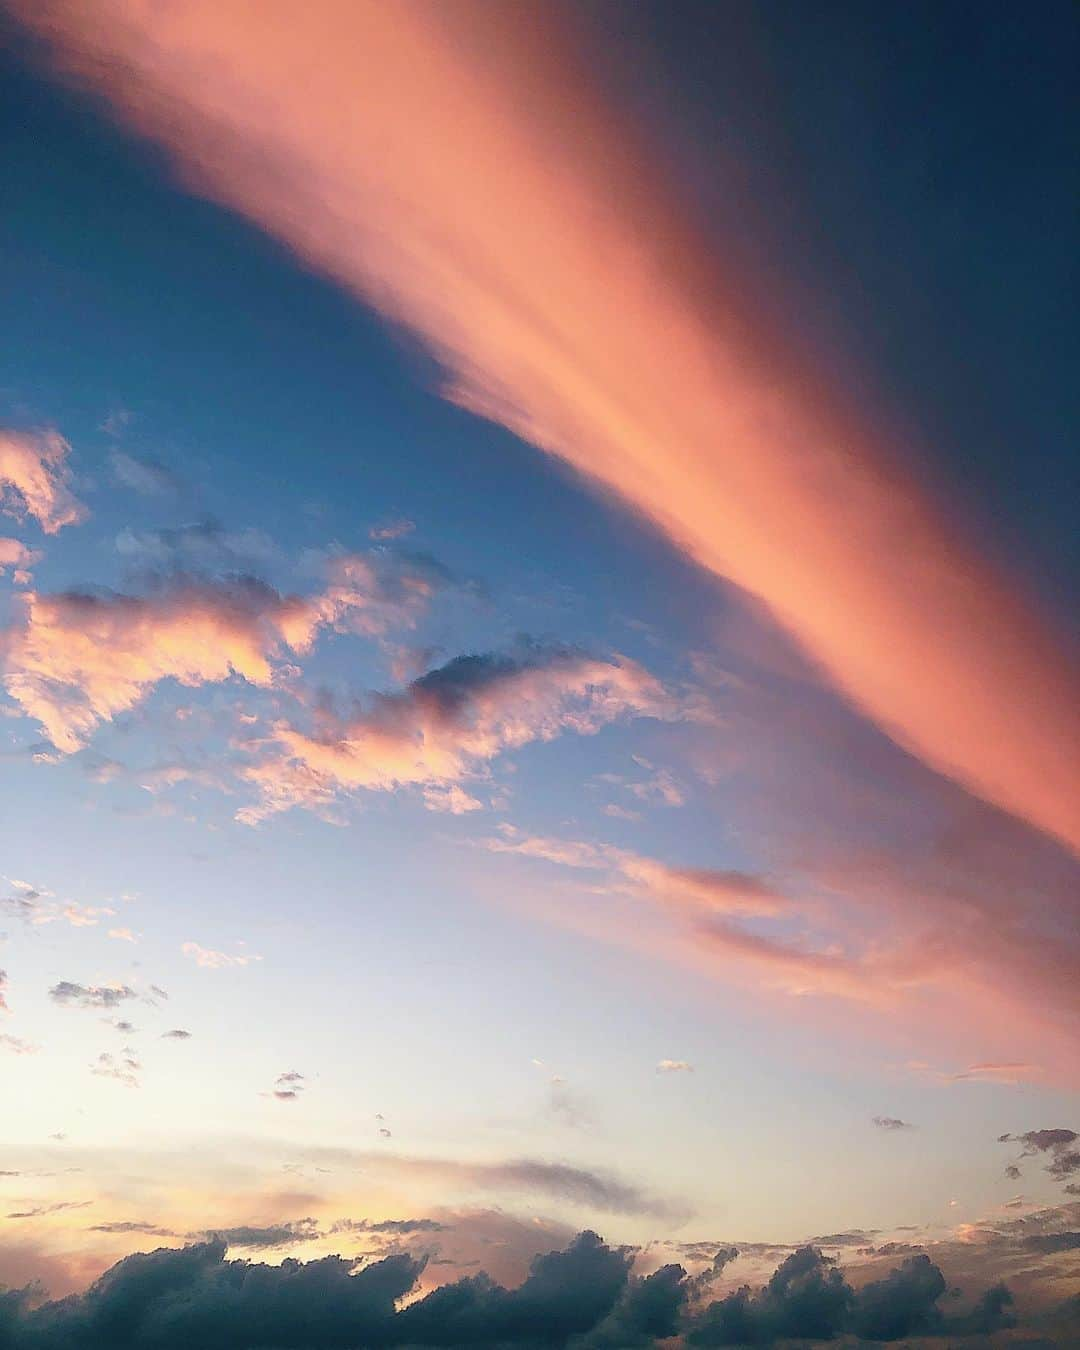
x=538 y=572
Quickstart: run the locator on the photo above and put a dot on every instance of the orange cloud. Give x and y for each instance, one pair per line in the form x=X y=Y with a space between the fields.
x=458 y=168
x=446 y=726
x=34 y=480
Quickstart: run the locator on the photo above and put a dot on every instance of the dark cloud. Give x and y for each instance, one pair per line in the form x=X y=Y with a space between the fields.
x=1053 y=1242
x=132 y=1226
x=904 y=1303
x=806 y=1297
x=274 y=1235
x=584 y=1297
x=1057 y=1145
x=69 y=995
x=892 y=1123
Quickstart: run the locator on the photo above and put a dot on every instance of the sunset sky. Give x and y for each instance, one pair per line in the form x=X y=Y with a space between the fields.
x=538 y=574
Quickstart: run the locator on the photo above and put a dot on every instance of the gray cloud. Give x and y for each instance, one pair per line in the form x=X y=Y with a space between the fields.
x=892 y=1123
x=70 y=995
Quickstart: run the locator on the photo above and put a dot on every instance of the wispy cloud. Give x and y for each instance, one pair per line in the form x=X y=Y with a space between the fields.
x=210 y=959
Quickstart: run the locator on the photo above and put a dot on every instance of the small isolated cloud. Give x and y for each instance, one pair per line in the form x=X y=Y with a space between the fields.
x=392 y=529
x=35 y=479
x=262 y=1238
x=892 y=1123
x=143 y=475
x=123 y=935
x=127 y=1226
x=674 y=1066
x=3 y=984
x=69 y=995
x=177 y=1034
x=213 y=960
x=288 y=1086
x=124 y=1067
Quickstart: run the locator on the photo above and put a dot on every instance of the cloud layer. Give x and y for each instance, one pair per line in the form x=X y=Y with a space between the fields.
x=585 y=1296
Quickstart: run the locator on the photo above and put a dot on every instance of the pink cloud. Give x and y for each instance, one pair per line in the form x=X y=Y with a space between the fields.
x=34 y=480
x=447 y=726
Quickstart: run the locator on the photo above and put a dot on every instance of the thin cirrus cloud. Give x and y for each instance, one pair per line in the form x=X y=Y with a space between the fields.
x=35 y=479
x=502 y=208
x=448 y=725
x=79 y=659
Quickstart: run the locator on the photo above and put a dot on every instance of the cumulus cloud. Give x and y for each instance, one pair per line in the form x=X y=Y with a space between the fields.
x=69 y=995
x=35 y=479
x=288 y=1086
x=448 y=725
x=210 y=959
x=79 y=659
x=583 y=1297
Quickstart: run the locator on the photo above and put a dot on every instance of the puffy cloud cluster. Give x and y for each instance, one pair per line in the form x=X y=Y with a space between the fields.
x=448 y=725
x=585 y=1297
x=35 y=480
x=79 y=659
